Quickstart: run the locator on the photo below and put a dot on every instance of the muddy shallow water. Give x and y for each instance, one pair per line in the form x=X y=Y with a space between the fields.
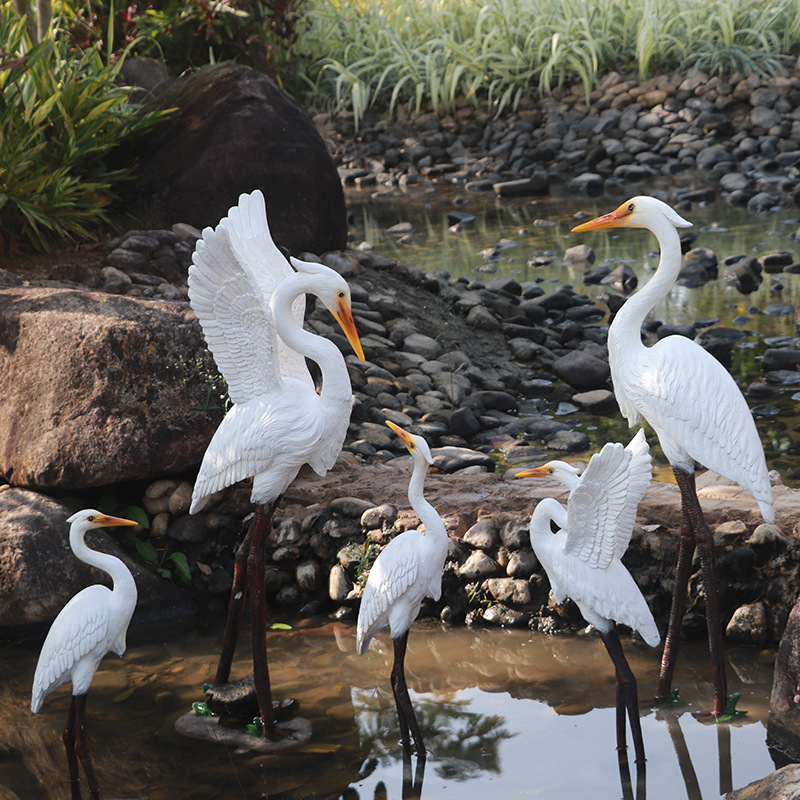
x=514 y=713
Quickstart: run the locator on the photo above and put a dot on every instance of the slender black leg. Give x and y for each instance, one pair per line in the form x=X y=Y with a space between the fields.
x=627 y=695
x=82 y=747
x=686 y=546
x=72 y=756
x=405 y=711
x=235 y=608
x=412 y=782
x=256 y=568
x=708 y=563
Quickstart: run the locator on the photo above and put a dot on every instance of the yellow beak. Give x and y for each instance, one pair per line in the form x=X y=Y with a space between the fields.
x=403 y=434
x=612 y=220
x=106 y=521
x=344 y=316
x=536 y=472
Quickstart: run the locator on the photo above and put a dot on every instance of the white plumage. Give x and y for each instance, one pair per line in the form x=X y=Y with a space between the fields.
x=582 y=559
x=407 y=570
x=92 y=623
x=250 y=304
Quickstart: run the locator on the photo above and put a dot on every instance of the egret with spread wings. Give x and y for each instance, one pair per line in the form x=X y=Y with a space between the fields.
x=580 y=548
x=90 y=625
x=250 y=303
x=407 y=570
x=699 y=414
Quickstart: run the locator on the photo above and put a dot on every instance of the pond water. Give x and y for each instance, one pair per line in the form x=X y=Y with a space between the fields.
x=543 y=228
x=508 y=712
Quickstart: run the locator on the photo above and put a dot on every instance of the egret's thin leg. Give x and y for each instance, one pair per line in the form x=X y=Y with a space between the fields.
x=72 y=756
x=235 y=608
x=626 y=688
x=82 y=747
x=708 y=563
x=669 y=657
x=412 y=784
x=256 y=568
x=405 y=711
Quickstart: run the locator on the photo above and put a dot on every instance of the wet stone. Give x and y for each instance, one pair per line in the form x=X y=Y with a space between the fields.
x=483 y=535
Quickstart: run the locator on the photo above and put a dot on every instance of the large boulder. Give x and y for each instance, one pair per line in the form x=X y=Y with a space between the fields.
x=100 y=389
x=234 y=130
x=39 y=573
x=783 y=729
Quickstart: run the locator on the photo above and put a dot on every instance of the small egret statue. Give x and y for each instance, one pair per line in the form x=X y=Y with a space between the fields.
x=407 y=570
x=580 y=548
x=90 y=625
x=250 y=303
x=698 y=413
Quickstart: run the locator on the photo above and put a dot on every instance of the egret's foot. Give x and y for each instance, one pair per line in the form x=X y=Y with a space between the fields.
x=729 y=714
x=672 y=700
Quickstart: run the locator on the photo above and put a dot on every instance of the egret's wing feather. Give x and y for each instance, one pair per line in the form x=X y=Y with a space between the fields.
x=80 y=627
x=602 y=506
x=395 y=571
x=236 y=267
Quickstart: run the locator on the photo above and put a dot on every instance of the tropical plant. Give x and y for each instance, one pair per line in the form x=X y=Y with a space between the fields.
x=61 y=113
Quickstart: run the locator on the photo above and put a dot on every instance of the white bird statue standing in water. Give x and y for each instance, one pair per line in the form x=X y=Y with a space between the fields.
x=90 y=625
x=580 y=548
x=250 y=304
x=699 y=414
x=407 y=570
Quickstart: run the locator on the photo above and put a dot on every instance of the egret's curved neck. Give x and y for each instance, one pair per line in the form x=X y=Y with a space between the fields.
x=628 y=322
x=425 y=511
x=120 y=574
x=335 y=380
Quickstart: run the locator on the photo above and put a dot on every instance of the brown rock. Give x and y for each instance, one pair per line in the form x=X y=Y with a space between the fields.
x=783 y=729
x=114 y=394
x=781 y=785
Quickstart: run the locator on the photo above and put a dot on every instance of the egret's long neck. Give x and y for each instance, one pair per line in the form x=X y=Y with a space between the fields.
x=335 y=380
x=120 y=575
x=425 y=511
x=625 y=331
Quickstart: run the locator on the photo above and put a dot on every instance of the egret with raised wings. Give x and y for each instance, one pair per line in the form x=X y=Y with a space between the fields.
x=90 y=625
x=250 y=304
x=699 y=414
x=580 y=548
x=407 y=570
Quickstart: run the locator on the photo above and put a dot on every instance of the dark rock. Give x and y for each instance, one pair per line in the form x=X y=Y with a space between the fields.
x=464 y=423
x=589 y=184
x=699 y=266
x=763 y=202
x=621 y=279
x=236 y=130
x=783 y=728
x=452 y=459
x=582 y=371
x=783 y=358
x=744 y=274
x=781 y=785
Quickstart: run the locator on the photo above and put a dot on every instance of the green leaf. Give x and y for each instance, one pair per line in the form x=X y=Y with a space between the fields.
x=182 y=569
x=138 y=514
x=146 y=550
x=280 y=626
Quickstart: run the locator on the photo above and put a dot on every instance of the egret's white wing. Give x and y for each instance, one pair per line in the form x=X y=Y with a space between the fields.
x=79 y=628
x=235 y=269
x=386 y=596
x=602 y=506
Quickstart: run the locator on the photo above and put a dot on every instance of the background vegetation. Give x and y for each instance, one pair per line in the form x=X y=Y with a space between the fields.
x=62 y=107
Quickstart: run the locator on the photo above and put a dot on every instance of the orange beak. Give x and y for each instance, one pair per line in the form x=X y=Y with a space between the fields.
x=107 y=521
x=536 y=472
x=403 y=434
x=344 y=316
x=613 y=220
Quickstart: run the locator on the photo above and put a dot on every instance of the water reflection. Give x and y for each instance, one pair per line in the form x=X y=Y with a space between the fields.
x=508 y=712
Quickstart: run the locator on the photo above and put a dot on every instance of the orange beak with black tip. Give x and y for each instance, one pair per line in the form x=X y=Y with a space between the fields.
x=613 y=220
x=344 y=316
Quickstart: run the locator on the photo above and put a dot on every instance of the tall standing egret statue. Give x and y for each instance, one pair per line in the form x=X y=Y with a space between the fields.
x=90 y=625
x=250 y=304
x=407 y=570
x=699 y=414
x=580 y=548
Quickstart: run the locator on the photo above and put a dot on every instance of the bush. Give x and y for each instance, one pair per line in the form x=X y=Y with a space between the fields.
x=61 y=113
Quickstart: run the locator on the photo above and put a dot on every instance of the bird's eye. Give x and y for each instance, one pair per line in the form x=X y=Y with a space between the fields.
x=630 y=208
x=553 y=527
x=90 y=518
x=551 y=470
x=341 y=294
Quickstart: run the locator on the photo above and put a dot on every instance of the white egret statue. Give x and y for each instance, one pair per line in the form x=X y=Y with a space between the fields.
x=250 y=304
x=699 y=414
x=407 y=570
x=90 y=625
x=580 y=548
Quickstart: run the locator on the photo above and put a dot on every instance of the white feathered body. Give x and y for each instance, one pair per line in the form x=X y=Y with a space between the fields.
x=90 y=625
x=408 y=570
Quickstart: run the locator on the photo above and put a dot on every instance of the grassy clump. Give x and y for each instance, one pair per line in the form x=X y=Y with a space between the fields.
x=61 y=113
x=438 y=51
